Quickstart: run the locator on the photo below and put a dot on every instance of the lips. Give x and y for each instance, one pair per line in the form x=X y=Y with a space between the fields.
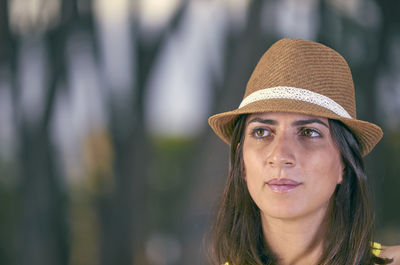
x=282 y=185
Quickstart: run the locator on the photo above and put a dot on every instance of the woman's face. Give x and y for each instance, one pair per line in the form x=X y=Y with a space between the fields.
x=291 y=164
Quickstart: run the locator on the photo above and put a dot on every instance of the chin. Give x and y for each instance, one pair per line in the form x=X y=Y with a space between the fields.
x=283 y=212
x=283 y=215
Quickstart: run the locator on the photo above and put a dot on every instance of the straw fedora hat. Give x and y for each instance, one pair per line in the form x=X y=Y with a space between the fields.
x=304 y=77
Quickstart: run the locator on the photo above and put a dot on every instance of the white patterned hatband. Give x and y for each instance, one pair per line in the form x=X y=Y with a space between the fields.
x=285 y=92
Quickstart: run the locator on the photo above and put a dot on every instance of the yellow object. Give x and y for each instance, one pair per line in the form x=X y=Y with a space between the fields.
x=376 y=249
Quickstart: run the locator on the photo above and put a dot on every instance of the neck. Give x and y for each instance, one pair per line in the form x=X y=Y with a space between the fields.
x=296 y=242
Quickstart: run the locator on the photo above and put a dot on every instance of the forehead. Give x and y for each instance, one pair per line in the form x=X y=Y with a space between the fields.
x=284 y=116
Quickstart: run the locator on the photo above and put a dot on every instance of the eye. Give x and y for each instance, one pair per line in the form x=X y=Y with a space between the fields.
x=308 y=132
x=260 y=133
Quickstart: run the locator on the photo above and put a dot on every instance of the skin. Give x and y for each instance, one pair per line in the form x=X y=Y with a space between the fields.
x=392 y=252
x=300 y=148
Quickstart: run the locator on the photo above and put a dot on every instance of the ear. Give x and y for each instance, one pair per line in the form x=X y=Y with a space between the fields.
x=341 y=174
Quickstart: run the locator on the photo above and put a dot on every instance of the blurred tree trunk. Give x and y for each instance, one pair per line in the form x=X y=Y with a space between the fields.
x=43 y=231
x=123 y=211
x=7 y=61
x=43 y=227
x=6 y=40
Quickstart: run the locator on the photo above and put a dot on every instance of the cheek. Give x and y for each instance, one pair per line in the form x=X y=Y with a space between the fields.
x=252 y=174
x=325 y=165
x=324 y=174
x=252 y=165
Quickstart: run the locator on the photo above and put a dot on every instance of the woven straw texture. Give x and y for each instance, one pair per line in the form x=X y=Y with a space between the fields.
x=306 y=65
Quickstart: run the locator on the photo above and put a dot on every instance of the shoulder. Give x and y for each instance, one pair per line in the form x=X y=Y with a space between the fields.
x=391 y=252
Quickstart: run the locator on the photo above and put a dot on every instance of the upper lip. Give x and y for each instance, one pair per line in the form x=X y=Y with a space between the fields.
x=283 y=181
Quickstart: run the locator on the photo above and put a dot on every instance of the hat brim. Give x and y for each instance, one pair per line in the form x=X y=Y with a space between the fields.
x=367 y=134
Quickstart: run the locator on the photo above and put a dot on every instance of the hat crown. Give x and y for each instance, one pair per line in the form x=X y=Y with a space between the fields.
x=306 y=65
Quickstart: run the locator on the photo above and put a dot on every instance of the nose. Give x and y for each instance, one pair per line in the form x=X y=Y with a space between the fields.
x=281 y=152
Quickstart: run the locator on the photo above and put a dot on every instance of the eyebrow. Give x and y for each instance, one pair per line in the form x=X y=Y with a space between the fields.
x=305 y=122
x=296 y=123
x=265 y=121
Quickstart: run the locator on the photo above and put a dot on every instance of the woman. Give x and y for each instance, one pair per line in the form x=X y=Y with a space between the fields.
x=297 y=192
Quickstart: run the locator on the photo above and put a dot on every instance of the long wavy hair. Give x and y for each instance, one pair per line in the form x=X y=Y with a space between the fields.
x=237 y=236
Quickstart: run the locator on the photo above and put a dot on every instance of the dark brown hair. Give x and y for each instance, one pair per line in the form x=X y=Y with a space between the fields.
x=237 y=235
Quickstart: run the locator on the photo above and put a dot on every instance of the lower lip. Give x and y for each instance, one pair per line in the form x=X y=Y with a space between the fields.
x=282 y=188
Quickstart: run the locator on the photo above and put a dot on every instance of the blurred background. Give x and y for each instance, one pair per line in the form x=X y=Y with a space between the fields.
x=106 y=157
